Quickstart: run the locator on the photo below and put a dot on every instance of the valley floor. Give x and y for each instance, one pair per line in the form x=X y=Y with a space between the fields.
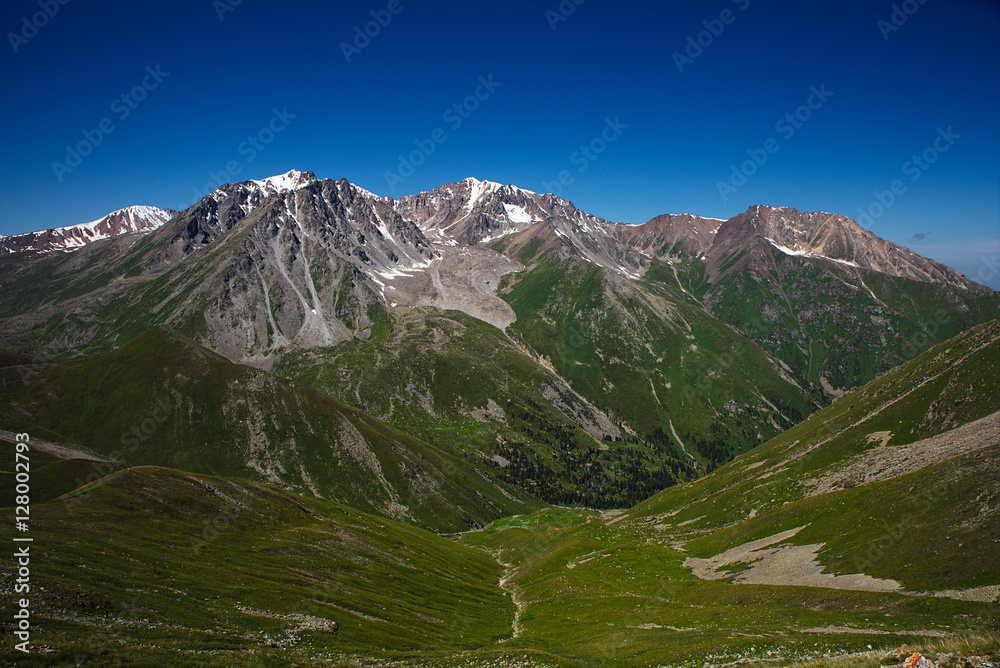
x=584 y=588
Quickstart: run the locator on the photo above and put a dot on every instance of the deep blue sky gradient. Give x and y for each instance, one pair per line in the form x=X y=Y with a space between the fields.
x=614 y=60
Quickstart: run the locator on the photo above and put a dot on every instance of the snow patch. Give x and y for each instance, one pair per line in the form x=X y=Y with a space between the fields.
x=518 y=215
x=498 y=235
x=804 y=253
x=366 y=193
x=283 y=183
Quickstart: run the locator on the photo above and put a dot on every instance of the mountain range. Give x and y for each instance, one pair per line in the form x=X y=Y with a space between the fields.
x=301 y=423
x=577 y=359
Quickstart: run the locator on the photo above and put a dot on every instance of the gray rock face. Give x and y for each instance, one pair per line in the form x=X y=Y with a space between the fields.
x=312 y=242
x=310 y=259
x=671 y=236
x=471 y=211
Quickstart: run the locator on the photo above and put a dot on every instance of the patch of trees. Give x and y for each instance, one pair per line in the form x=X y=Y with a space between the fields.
x=570 y=473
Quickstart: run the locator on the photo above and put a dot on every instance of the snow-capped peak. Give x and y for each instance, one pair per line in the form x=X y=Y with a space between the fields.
x=141 y=216
x=478 y=189
x=273 y=185
x=473 y=181
x=71 y=237
x=290 y=180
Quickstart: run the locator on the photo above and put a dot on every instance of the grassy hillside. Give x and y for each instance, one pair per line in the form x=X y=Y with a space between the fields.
x=465 y=386
x=890 y=494
x=161 y=400
x=664 y=368
x=834 y=326
x=952 y=384
x=157 y=567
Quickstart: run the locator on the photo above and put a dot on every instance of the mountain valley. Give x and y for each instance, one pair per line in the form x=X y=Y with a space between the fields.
x=301 y=423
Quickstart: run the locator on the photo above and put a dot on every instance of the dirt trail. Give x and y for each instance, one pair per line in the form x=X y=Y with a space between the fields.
x=515 y=597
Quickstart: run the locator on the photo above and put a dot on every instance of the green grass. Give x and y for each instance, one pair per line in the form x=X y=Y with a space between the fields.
x=155 y=561
x=161 y=400
x=51 y=477
x=629 y=601
x=656 y=364
x=985 y=645
x=825 y=322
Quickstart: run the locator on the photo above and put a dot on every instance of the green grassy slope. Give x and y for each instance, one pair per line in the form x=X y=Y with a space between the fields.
x=839 y=324
x=161 y=400
x=617 y=593
x=51 y=477
x=157 y=567
x=463 y=385
x=215 y=569
x=656 y=364
x=951 y=384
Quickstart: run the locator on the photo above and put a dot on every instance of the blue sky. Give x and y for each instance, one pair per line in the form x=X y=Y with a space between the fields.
x=662 y=133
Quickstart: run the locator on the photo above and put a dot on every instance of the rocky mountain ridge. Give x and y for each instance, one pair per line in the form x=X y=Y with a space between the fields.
x=746 y=322
x=130 y=220
x=824 y=236
x=479 y=213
